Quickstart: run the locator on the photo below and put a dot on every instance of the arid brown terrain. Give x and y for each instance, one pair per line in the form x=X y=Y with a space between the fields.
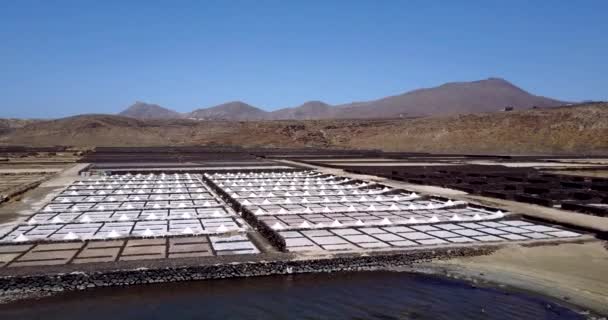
x=578 y=129
x=488 y=95
x=7 y=125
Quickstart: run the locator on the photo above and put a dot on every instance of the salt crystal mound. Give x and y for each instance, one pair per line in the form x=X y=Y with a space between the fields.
x=70 y=236
x=221 y=229
x=434 y=219
x=21 y=238
x=147 y=233
x=113 y=234
x=385 y=221
x=304 y=225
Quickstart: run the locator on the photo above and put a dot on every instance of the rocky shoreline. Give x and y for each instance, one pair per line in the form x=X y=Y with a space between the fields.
x=42 y=284
x=453 y=263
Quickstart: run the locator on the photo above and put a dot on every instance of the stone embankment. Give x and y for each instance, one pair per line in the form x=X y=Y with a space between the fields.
x=48 y=283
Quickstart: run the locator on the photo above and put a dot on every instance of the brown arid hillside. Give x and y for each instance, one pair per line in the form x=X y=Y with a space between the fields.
x=9 y=124
x=234 y=110
x=579 y=129
x=142 y=110
x=488 y=95
x=307 y=111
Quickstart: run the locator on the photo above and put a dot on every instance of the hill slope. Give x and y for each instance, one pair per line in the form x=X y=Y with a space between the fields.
x=565 y=130
x=8 y=125
x=142 y=110
x=306 y=111
x=235 y=110
x=488 y=95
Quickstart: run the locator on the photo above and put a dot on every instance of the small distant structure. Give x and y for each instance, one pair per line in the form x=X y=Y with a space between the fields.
x=505 y=109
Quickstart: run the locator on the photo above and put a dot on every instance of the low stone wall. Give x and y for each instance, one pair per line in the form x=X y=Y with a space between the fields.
x=21 y=189
x=57 y=282
x=273 y=237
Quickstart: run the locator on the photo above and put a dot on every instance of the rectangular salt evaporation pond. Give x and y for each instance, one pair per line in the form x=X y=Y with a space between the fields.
x=309 y=199
x=79 y=252
x=312 y=211
x=127 y=206
x=400 y=237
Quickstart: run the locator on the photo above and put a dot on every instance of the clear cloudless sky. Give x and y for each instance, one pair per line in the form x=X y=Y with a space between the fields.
x=59 y=58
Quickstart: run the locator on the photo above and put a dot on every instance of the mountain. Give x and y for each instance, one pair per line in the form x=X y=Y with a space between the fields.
x=489 y=95
x=307 y=111
x=142 y=110
x=235 y=110
x=571 y=130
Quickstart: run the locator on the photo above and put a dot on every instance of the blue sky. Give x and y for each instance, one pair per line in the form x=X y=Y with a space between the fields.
x=59 y=58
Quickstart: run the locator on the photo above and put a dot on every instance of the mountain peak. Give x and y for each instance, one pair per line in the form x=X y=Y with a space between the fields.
x=233 y=110
x=314 y=103
x=143 y=110
x=487 y=95
x=497 y=79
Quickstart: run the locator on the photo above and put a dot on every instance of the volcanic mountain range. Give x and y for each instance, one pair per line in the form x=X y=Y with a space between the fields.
x=489 y=95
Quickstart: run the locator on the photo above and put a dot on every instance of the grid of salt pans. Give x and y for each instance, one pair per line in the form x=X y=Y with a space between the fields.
x=312 y=200
x=127 y=206
x=314 y=211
